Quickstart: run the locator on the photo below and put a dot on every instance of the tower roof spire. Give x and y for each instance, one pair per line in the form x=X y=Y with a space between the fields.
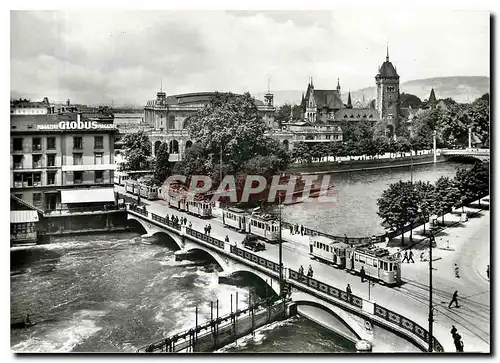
x=269 y=85
x=161 y=84
x=387 y=56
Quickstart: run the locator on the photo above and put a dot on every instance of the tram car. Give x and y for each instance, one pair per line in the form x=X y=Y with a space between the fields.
x=132 y=187
x=200 y=208
x=234 y=218
x=148 y=192
x=327 y=250
x=377 y=263
x=264 y=226
x=120 y=177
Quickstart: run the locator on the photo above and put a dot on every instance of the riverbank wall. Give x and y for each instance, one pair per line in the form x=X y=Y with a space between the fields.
x=82 y=223
x=362 y=165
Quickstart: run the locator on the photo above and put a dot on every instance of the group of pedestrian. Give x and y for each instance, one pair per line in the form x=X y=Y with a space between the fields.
x=310 y=271
x=207 y=229
x=174 y=219
x=457 y=339
x=407 y=257
x=296 y=229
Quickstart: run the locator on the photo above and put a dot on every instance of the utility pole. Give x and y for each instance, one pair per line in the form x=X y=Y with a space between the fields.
x=434 y=145
x=431 y=312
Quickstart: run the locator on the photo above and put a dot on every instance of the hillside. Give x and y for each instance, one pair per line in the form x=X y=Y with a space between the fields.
x=461 y=89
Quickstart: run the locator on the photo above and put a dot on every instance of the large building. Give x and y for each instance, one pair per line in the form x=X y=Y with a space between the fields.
x=167 y=115
x=387 y=102
x=27 y=107
x=62 y=163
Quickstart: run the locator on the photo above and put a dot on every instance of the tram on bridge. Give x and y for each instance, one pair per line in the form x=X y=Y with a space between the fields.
x=376 y=262
x=260 y=225
x=190 y=203
x=145 y=191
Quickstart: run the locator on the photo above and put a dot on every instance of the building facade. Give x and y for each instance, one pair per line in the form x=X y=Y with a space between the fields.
x=27 y=107
x=62 y=162
x=166 y=116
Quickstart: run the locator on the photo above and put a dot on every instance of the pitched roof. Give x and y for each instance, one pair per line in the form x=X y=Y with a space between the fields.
x=193 y=98
x=328 y=99
x=432 y=96
x=387 y=70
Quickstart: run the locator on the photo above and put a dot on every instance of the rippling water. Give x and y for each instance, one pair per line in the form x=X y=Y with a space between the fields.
x=111 y=293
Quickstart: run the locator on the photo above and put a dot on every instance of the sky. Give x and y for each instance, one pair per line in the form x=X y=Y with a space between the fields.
x=99 y=56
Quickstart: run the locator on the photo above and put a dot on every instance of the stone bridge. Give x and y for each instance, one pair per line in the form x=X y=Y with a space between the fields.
x=481 y=154
x=348 y=315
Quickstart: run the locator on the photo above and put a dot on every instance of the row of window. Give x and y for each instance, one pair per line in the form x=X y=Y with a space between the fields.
x=22 y=228
x=358 y=116
x=335 y=137
x=386 y=266
x=35 y=179
x=36 y=143
x=232 y=216
x=322 y=246
x=51 y=160
x=266 y=226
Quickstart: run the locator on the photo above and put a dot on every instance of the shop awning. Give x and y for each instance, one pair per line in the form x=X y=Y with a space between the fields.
x=90 y=195
x=23 y=216
x=89 y=167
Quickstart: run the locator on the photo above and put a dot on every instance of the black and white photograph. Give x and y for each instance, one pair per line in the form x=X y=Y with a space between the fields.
x=250 y=181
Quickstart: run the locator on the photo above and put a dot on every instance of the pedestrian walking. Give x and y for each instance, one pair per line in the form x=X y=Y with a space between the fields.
x=405 y=257
x=457 y=272
x=190 y=224
x=227 y=239
x=459 y=345
x=296 y=228
x=454 y=299
x=348 y=290
x=301 y=230
x=205 y=229
x=291 y=229
x=209 y=228
x=422 y=255
x=362 y=274
x=488 y=271
x=410 y=257
x=301 y=270
x=310 y=272
x=453 y=331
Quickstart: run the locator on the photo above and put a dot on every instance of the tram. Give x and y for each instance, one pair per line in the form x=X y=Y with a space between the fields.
x=376 y=262
x=131 y=186
x=326 y=250
x=148 y=192
x=194 y=206
x=263 y=225
x=234 y=218
x=120 y=177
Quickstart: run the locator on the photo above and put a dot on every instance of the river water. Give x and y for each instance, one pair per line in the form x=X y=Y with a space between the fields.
x=112 y=293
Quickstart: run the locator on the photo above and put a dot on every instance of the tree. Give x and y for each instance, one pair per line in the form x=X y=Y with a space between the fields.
x=137 y=151
x=473 y=183
x=398 y=206
x=409 y=100
x=282 y=114
x=447 y=195
x=230 y=125
x=426 y=196
x=161 y=165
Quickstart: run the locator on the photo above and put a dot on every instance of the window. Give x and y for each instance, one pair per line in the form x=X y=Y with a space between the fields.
x=18 y=161
x=98 y=158
x=37 y=143
x=37 y=179
x=171 y=122
x=98 y=142
x=51 y=177
x=51 y=160
x=77 y=159
x=77 y=142
x=328 y=137
x=98 y=176
x=51 y=142
x=18 y=180
x=37 y=161
x=18 y=144
x=78 y=177
x=37 y=199
x=362 y=258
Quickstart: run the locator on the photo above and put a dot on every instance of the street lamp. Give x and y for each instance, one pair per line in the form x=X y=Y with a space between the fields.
x=370 y=284
x=431 y=312
x=280 y=248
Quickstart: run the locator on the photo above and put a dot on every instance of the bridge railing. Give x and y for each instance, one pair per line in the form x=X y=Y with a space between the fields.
x=255 y=259
x=407 y=325
x=205 y=237
x=165 y=221
x=326 y=289
x=142 y=211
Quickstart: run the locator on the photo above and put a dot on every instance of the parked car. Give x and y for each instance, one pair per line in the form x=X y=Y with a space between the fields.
x=252 y=243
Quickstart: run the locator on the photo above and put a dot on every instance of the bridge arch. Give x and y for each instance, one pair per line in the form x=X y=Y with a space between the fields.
x=346 y=330
x=151 y=229
x=221 y=261
x=170 y=239
x=264 y=282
